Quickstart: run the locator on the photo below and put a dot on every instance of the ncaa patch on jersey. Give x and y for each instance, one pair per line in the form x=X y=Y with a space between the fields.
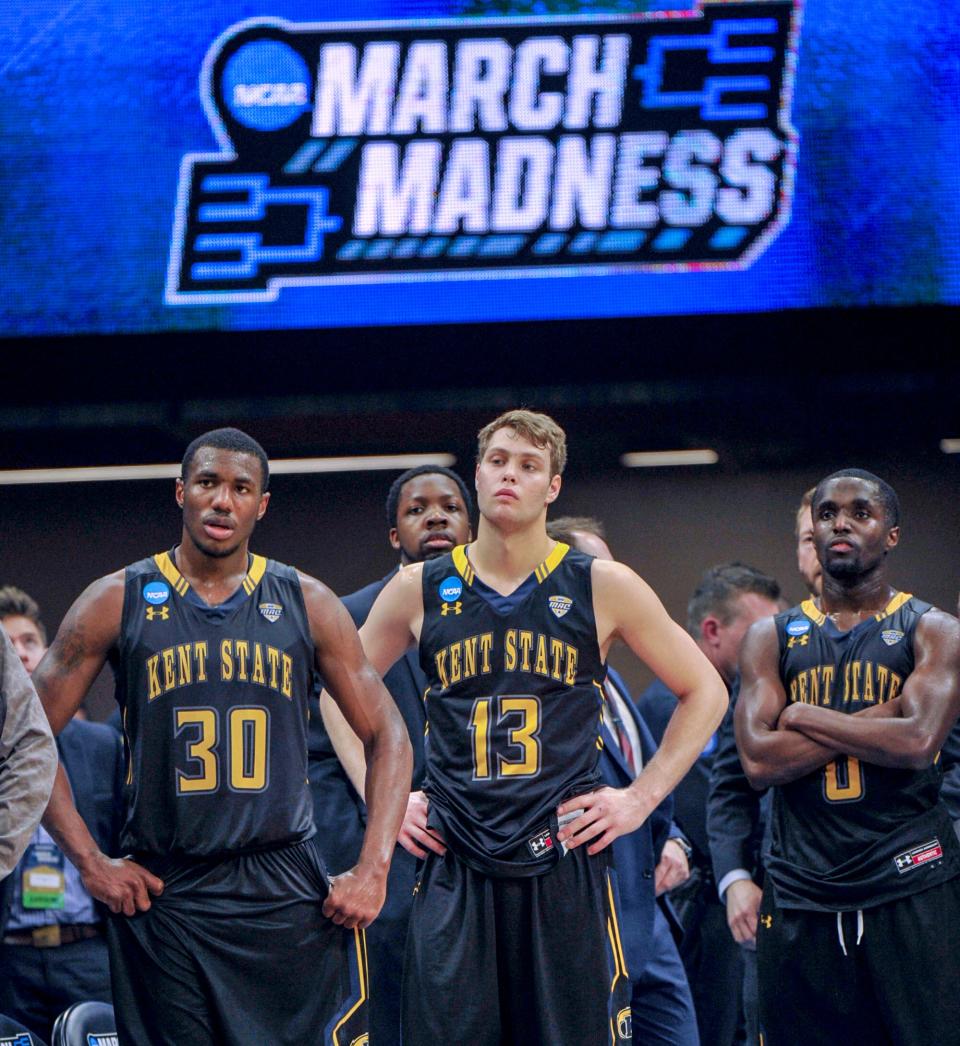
x=271 y=611
x=450 y=589
x=559 y=605
x=156 y=592
x=919 y=855
x=891 y=636
x=798 y=628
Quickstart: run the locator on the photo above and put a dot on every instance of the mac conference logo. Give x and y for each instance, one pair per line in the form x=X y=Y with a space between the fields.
x=381 y=151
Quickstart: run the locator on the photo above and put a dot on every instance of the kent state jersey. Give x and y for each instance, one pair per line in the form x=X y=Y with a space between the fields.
x=214 y=705
x=853 y=834
x=513 y=707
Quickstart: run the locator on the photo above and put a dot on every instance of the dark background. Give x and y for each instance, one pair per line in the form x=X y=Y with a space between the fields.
x=784 y=398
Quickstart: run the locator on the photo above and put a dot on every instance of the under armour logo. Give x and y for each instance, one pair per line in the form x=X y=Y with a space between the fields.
x=766 y=921
x=798 y=640
x=158 y=612
x=450 y=608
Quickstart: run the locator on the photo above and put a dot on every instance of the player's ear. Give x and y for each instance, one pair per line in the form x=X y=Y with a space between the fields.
x=264 y=501
x=893 y=538
x=553 y=491
x=178 y=492
x=394 y=538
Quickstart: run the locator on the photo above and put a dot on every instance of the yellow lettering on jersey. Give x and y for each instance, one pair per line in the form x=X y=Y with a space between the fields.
x=802 y=687
x=440 y=660
x=169 y=665
x=556 y=658
x=846 y=683
x=486 y=648
x=510 y=650
x=456 y=664
x=273 y=658
x=287 y=687
x=895 y=683
x=856 y=669
x=540 y=665
x=883 y=681
x=200 y=657
x=258 y=675
x=827 y=672
x=226 y=660
x=153 y=677
x=470 y=657
x=815 y=685
x=868 y=694
x=571 y=677
x=526 y=645
x=242 y=648
x=184 y=667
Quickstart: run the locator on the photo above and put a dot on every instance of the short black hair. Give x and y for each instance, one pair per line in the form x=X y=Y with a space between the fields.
x=393 y=495
x=720 y=586
x=228 y=439
x=887 y=495
x=14 y=602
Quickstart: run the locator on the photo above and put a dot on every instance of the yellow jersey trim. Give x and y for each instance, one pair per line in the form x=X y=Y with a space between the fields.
x=550 y=564
x=816 y=615
x=462 y=564
x=167 y=567
x=258 y=567
x=360 y=943
x=894 y=605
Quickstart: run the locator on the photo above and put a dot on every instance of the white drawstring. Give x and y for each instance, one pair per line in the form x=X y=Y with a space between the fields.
x=843 y=943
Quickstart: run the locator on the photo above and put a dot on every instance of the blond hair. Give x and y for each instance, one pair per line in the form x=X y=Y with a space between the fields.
x=540 y=429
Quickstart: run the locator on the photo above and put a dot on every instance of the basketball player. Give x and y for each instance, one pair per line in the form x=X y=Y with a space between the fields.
x=514 y=935
x=214 y=651
x=843 y=707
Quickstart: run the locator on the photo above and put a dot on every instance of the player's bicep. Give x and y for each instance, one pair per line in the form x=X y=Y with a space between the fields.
x=931 y=693
x=762 y=696
x=89 y=630
x=392 y=626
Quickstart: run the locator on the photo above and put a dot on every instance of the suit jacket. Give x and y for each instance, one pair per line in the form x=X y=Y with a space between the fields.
x=636 y=855
x=737 y=814
x=92 y=756
x=340 y=814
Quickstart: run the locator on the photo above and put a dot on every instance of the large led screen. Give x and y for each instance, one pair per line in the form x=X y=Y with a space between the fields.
x=213 y=165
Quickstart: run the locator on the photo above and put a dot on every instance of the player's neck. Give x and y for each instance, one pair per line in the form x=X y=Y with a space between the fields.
x=505 y=560
x=214 y=578
x=848 y=599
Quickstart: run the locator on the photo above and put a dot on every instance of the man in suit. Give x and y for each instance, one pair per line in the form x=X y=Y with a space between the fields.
x=727 y=600
x=53 y=951
x=649 y=861
x=737 y=814
x=428 y=513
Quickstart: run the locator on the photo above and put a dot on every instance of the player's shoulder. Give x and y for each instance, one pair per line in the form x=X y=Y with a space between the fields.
x=936 y=625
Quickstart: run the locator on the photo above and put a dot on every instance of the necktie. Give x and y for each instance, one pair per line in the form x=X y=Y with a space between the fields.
x=620 y=732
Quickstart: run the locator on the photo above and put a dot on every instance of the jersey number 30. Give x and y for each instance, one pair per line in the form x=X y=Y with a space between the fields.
x=520 y=715
x=248 y=731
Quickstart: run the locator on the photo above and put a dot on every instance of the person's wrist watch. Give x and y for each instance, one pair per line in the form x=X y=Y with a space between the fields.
x=683 y=844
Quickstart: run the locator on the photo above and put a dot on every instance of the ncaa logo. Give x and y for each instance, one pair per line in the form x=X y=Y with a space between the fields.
x=798 y=628
x=266 y=85
x=450 y=589
x=156 y=592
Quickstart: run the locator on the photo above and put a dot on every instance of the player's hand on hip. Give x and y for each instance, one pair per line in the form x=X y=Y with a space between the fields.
x=607 y=814
x=672 y=869
x=742 y=898
x=120 y=883
x=355 y=898
x=414 y=836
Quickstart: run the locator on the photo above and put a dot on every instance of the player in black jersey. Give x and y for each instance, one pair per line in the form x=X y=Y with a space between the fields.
x=844 y=705
x=514 y=935
x=226 y=929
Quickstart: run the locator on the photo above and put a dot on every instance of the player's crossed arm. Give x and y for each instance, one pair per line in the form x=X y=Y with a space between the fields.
x=909 y=731
x=88 y=632
x=626 y=608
